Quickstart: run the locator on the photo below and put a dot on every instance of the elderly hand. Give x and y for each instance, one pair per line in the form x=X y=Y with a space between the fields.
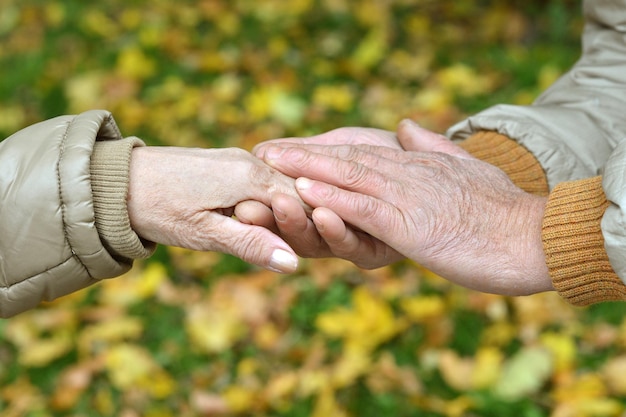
x=340 y=136
x=324 y=234
x=458 y=216
x=186 y=197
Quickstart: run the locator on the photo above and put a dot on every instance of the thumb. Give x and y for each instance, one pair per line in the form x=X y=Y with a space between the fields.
x=414 y=138
x=256 y=245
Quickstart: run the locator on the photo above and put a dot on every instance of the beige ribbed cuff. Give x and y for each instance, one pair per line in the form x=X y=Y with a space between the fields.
x=574 y=246
x=516 y=161
x=110 y=167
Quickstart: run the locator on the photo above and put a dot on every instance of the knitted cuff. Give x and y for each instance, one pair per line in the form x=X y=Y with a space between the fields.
x=110 y=166
x=574 y=246
x=516 y=161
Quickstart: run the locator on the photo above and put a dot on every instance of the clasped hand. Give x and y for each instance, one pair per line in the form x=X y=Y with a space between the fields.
x=376 y=203
x=186 y=197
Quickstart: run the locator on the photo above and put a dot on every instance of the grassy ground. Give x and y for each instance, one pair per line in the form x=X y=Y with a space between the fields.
x=197 y=334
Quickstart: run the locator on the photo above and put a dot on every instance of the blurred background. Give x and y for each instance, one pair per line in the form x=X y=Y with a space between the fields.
x=202 y=334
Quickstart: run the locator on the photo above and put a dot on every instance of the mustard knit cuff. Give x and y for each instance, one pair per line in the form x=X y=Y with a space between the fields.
x=574 y=246
x=110 y=167
x=516 y=161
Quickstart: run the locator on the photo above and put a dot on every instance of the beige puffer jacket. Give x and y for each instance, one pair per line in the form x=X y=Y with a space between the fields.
x=50 y=244
x=577 y=128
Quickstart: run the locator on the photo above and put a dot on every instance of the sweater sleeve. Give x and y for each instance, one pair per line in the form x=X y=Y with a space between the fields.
x=572 y=237
x=110 y=165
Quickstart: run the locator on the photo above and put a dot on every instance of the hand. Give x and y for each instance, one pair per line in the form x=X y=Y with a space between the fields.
x=340 y=136
x=324 y=234
x=458 y=216
x=185 y=197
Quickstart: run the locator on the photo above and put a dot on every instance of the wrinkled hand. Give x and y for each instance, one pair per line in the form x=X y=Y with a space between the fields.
x=185 y=197
x=323 y=235
x=458 y=216
x=340 y=136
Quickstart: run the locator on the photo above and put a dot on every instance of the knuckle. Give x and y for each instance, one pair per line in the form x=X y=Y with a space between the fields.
x=355 y=175
x=298 y=156
x=369 y=209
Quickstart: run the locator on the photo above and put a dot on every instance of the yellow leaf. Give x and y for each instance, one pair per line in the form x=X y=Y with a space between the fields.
x=369 y=323
x=335 y=97
x=12 y=118
x=458 y=407
x=614 y=373
x=386 y=376
x=433 y=99
x=313 y=381
x=212 y=329
x=227 y=88
x=43 y=351
x=97 y=22
x=267 y=336
x=463 y=80
x=456 y=371
x=158 y=384
x=239 y=399
x=422 y=308
x=103 y=401
x=563 y=350
x=153 y=276
x=548 y=74
x=487 y=367
x=131 y=366
x=127 y=365
x=525 y=373
x=106 y=332
x=280 y=387
x=134 y=286
x=84 y=91
x=334 y=323
x=134 y=64
x=273 y=101
x=595 y=407
x=370 y=51
x=353 y=363
x=326 y=405
x=585 y=396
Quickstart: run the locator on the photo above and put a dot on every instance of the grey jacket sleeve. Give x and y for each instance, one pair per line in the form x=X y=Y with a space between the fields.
x=49 y=243
x=574 y=126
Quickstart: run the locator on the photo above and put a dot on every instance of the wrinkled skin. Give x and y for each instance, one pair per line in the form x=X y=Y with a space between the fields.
x=185 y=197
x=460 y=217
x=323 y=235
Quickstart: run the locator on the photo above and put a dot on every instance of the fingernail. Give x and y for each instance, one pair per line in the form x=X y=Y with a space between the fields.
x=279 y=214
x=412 y=123
x=273 y=152
x=303 y=184
x=283 y=261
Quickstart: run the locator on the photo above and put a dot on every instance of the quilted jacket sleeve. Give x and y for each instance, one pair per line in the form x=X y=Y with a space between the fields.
x=50 y=244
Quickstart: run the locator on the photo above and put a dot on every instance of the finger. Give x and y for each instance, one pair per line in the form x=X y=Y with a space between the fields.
x=343 y=169
x=414 y=138
x=341 y=136
x=256 y=213
x=362 y=249
x=363 y=153
x=360 y=210
x=253 y=244
x=327 y=138
x=297 y=229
